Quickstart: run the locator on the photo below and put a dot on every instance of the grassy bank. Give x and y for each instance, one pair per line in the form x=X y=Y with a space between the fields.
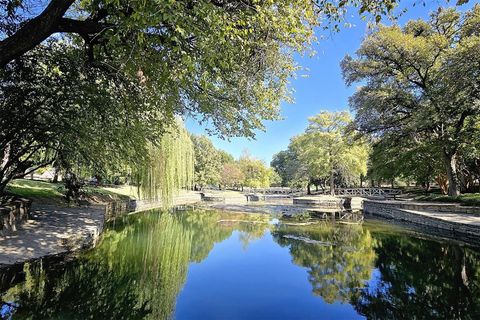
x=41 y=191
x=468 y=199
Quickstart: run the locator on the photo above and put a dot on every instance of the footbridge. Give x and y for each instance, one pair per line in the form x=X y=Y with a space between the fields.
x=364 y=192
x=360 y=192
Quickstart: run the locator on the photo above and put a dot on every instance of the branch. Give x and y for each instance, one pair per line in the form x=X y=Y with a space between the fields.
x=33 y=32
x=87 y=29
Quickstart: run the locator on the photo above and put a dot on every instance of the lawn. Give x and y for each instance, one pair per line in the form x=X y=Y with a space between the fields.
x=34 y=189
x=42 y=191
x=468 y=199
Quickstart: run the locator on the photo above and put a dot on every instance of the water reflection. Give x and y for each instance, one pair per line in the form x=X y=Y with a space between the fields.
x=339 y=258
x=142 y=264
x=421 y=279
x=135 y=273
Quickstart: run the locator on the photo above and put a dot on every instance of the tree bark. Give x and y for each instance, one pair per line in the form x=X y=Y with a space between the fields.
x=332 y=183
x=451 y=166
x=33 y=32
x=308 y=189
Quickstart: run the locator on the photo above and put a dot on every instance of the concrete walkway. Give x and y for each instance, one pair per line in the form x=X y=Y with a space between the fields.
x=451 y=217
x=470 y=219
x=52 y=230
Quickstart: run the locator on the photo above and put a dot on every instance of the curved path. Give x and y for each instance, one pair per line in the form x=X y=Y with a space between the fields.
x=52 y=230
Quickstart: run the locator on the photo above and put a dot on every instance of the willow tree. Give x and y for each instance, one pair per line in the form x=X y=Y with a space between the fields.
x=168 y=166
x=329 y=149
x=227 y=62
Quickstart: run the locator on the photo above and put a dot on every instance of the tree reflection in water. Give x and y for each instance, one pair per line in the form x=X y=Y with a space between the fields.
x=141 y=265
x=339 y=258
x=421 y=279
x=136 y=272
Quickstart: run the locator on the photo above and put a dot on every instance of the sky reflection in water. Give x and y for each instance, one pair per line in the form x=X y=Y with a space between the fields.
x=191 y=266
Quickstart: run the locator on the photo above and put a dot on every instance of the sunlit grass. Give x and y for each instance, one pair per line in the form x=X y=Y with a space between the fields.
x=54 y=192
x=36 y=189
x=468 y=199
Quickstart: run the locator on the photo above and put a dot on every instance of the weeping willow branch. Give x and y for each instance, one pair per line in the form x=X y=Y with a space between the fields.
x=168 y=168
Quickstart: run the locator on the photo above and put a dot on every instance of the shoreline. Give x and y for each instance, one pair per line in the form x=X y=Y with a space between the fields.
x=55 y=230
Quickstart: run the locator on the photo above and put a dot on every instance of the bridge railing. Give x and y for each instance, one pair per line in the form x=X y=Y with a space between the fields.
x=370 y=192
x=271 y=191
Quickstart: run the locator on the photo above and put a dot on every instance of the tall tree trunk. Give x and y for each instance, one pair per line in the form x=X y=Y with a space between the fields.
x=451 y=166
x=308 y=189
x=332 y=183
x=55 y=175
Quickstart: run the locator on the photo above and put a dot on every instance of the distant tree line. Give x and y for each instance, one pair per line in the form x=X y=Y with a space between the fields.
x=217 y=168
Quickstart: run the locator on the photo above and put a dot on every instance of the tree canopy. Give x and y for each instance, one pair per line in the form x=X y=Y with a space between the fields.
x=327 y=150
x=421 y=83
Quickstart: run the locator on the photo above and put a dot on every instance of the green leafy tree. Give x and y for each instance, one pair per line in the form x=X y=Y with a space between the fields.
x=225 y=157
x=156 y=26
x=287 y=166
x=420 y=83
x=256 y=173
x=53 y=109
x=168 y=167
x=328 y=148
x=207 y=162
x=405 y=159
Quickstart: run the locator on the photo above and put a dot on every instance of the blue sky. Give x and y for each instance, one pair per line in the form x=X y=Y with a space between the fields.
x=323 y=89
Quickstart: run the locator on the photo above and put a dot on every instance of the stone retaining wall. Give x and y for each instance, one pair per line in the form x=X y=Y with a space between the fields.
x=404 y=212
x=428 y=206
x=118 y=208
x=13 y=214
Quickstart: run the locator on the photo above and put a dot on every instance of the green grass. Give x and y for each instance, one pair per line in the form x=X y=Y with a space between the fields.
x=33 y=189
x=42 y=191
x=468 y=199
x=116 y=193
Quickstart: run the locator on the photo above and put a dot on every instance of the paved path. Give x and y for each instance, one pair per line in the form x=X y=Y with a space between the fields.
x=470 y=219
x=52 y=230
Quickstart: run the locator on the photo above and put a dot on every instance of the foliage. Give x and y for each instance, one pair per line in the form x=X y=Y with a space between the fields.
x=420 y=83
x=329 y=149
x=287 y=165
x=405 y=159
x=168 y=167
x=82 y=120
x=231 y=175
x=207 y=161
x=256 y=173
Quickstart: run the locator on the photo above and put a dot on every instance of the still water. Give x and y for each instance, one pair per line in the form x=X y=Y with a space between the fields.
x=217 y=265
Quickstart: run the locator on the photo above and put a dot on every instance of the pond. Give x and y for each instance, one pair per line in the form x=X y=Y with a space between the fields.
x=220 y=265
